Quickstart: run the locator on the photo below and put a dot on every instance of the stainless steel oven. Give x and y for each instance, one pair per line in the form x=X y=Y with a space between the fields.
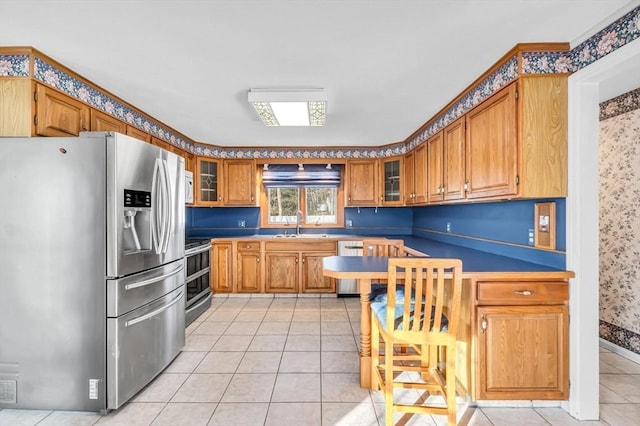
x=198 y=300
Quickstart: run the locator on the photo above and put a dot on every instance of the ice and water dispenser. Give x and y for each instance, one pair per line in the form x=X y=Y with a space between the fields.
x=137 y=221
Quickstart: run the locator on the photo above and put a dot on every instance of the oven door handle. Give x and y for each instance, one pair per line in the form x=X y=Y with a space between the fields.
x=154 y=312
x=154 y=279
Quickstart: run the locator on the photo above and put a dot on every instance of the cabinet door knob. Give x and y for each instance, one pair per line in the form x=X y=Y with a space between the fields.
x=523 y=292
x=483 y=323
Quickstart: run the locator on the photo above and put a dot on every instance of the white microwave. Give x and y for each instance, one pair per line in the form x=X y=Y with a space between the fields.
x=188 y=187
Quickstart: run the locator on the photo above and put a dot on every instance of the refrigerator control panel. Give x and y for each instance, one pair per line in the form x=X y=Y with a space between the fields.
x=134 y=198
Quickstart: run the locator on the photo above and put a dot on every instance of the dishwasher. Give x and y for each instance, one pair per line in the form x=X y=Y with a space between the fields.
x=349 y=286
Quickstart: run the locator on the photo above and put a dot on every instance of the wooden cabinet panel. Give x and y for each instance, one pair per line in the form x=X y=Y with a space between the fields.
x=523 y=352
x=282 y=272
x=58 y=114
x=138 y=134
x=416 y=178
x=101 y=122
x=240 y=183
x=221 y=268
x=248 y=272
x=313 y=280
x=391 y=193
x=435 y=149
x=453 y=171
x=208 y=182
x=491 y=149
x=522 y=293
x=362 y=183
x=16 y=97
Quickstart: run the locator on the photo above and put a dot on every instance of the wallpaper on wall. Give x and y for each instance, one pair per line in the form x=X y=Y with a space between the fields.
x=619 y=218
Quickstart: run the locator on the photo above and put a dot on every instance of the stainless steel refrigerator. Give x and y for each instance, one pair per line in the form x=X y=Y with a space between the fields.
x=91 y=269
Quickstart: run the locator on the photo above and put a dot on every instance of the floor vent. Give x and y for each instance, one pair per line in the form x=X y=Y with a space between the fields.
x=8 y=392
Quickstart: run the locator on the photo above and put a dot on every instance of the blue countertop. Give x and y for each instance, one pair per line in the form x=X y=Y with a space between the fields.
x=473 y=260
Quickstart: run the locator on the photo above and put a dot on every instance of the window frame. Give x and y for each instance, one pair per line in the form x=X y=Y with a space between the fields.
x=264 y=209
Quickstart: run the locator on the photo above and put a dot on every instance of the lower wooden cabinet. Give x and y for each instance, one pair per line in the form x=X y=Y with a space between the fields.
x=221 y=268
x=248 y=267
x=282 y=272
x=313 y=281
x=523 y=340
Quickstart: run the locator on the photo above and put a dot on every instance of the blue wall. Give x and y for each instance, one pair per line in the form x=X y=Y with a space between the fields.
x=501 y=227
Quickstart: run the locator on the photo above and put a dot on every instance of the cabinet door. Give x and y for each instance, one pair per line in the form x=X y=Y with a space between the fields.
x=221 y=268
x=101 y=122
x=239 y=183
x=208 y=182
x=58 y=114
x=362 y=183
x=453 y=160
x=491 y=151
x=313 y=280
x=435 y=184
x=282 y=271
x=523 y=352
x=138 y=134
x=391 y=181
x=420 y=174
x=409 y=190
x=248 y=272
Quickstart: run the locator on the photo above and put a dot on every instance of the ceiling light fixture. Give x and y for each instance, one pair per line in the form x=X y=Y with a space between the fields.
x=300 y=167
x=289 y=107
x=265 y=167
x=328 y=166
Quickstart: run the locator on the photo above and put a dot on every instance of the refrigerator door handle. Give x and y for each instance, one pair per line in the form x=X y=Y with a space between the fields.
x=168 y=216
x=154 y=312
x=154 y=279
x=156 y=202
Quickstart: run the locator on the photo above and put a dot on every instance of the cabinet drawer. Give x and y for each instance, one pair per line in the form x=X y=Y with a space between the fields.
x=522 y=292
x=248 y=245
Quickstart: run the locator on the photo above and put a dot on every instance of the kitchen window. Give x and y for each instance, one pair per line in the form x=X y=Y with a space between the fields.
x=313 y=190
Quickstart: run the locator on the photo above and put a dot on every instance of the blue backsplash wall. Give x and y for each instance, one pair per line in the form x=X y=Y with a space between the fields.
x=501 y=228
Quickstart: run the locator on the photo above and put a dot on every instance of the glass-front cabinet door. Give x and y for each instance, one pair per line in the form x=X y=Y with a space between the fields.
x=392 y=182
x=208 y=182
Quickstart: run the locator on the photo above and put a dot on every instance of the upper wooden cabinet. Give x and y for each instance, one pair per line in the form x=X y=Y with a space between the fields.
x=516 y=143
x=208 y=182
x=492 y=149
x=59 y=115
x=416 y=175
x=138 y=134
x=447 y=163
x=362 y=181
x=101 y=122
x=240 y=183
x=392 y=181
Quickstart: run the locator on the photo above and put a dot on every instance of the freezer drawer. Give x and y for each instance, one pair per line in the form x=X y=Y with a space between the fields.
x=141 y=344
x=126 y=294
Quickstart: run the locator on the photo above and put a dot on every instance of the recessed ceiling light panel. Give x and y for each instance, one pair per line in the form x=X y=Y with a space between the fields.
x=292 y=107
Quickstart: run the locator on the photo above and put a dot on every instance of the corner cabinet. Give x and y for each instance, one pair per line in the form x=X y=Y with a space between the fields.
x=416 y=175
x=522 y=330
x=362 y=179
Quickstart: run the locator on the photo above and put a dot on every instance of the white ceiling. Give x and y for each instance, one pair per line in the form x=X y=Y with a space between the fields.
x=387 y=65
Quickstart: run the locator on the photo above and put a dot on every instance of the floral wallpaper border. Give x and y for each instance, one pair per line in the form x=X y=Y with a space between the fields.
x=612 y=37
x=619 y=336
x=620 y=104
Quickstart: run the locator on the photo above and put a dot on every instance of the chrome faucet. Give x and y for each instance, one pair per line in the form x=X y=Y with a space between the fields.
x=299 y=221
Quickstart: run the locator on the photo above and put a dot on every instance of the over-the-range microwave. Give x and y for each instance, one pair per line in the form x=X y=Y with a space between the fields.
x=188 y=187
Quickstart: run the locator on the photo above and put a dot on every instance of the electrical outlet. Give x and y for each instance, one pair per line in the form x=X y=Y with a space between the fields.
x=531 y=238
x=349 y=223
x=241 y=223
x=448 y=226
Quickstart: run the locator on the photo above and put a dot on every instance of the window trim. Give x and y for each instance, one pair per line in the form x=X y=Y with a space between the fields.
x=264 y=210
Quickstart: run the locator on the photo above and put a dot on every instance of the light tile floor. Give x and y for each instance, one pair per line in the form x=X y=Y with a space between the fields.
x=294 y=361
